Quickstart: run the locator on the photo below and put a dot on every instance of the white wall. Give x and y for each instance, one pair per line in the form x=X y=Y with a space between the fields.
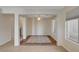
x=42 y=27
x=53 y=28
x=47 y=26
x=29 y=26
x=6 y=21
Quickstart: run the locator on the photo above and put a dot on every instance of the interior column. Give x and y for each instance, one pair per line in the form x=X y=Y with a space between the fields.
x=33 y=26
x=16 y=31
x=60 y=27
x=24 y=27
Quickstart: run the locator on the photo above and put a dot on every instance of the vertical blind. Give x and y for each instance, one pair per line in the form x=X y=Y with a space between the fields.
x=71 y=30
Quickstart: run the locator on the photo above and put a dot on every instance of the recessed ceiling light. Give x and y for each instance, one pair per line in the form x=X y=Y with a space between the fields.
x=38 y=19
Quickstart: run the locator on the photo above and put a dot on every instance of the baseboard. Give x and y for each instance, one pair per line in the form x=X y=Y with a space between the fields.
x=25 y=39
x=68 y=50
x=53 y=37
x=6 y=41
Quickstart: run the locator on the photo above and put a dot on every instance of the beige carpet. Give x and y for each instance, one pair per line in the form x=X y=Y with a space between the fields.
x=38 y=39
x=31 y=48
x=45 y=48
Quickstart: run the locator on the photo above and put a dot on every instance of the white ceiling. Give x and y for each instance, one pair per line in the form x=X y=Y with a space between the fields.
x=73 y=14
x=31 y=9
x=35 y=11
x=34 y=7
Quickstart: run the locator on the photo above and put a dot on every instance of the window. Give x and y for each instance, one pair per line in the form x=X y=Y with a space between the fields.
x=71 y=30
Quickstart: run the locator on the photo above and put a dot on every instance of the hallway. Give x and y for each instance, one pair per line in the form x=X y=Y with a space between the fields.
x=34 y=44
